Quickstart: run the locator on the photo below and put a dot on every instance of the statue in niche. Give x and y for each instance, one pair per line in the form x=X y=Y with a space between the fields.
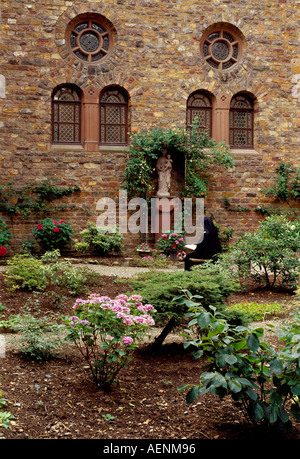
x=164 y=168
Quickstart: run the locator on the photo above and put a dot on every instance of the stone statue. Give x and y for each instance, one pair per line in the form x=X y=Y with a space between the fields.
x=164 y=168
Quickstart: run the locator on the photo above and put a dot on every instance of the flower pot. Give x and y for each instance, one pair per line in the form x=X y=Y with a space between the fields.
x=143 y=253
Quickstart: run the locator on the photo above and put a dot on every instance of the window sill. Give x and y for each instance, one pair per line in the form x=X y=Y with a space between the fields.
x=113 y=147
x=244 y=151
x=65 y=146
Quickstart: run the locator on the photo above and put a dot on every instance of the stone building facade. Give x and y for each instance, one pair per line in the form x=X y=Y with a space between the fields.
x=129 y=65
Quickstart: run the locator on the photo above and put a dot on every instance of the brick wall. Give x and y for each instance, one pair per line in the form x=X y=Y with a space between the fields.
x=157 y=60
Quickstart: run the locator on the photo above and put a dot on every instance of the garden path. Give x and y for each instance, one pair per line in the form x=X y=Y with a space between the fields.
x=118 y=271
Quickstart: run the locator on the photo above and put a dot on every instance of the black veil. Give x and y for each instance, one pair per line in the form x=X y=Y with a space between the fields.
x=208 y=247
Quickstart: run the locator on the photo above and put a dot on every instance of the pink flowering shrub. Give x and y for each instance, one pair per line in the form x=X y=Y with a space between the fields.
x=170 y=241
x=106 y=331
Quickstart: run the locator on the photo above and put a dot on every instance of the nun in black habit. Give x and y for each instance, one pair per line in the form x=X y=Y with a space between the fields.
x=208 y=247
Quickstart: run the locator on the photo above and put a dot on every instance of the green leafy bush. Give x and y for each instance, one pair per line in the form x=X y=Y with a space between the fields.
x=25 y=273
x=258 y=311
x=28 y=273
x=261 y=380
x=101 y=241
x=5 y=416
x=5 y=233
x=53 y=235
x=268 y=256
x=38 y=337
x=160 y=288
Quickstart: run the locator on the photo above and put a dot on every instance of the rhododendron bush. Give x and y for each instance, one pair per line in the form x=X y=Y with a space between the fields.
x=107 y=330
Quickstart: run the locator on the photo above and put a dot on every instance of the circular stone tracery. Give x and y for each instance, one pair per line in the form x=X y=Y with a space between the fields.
x=90 y=41
x=221 y=49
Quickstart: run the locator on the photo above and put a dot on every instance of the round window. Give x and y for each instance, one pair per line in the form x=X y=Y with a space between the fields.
x=90 y=39
x=221 y=49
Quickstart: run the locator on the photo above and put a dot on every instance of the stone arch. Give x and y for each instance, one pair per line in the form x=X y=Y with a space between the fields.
x=70 y=60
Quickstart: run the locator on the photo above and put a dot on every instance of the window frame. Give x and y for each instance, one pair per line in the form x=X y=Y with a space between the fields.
x=207 y=109
x=233 y=129
x=59 y=103
x=104 y=105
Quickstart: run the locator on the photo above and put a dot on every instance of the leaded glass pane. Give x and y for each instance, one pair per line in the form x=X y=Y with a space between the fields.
x=227 y=65
x=200 y=114
x=81 y=27
x=212 y=63
x=55 y=132
x=240 y=137
x=213 y=36
x=98 y=28
x=76 y=133
x=102 y=115
x=66 y=133
x=122 y=115
x=249 y=120
x=240 y=119
x=112 y=134
x=112 y=115
x=123 y=134
x=66 y=113
x=55 y=112
x=81 y=56
x=77 y=113
x=228 y=37
x=220 y=50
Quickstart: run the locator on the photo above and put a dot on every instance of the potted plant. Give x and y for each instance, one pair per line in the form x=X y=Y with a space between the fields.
x=171 y=243
x=144 y=249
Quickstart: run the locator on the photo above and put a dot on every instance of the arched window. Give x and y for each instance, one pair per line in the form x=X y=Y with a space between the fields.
x=66 y=115
x=241 y=121
x=199 y=105
x=113 y=117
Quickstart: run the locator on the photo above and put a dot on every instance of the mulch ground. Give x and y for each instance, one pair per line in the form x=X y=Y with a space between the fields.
x=57 y=399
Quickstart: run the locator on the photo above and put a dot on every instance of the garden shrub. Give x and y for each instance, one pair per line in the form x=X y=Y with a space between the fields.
x=5 y=416
x=38 y=337
x=268 y=256
x=25 y=273
x=53 y=235
x=28 y=273
x=258 y=311
x=262 y=381
x=100 y=241
x=162 y=289
x=5 y=233
x=106 y=331
x=159 y=289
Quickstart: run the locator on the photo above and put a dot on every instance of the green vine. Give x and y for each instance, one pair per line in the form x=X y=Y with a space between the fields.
x=31 y=198
x=238 y=208
x=195 y=154
x=286 y=186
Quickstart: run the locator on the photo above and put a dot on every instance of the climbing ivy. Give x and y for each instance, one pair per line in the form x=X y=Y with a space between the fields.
x=196 y=152
x=31 y=198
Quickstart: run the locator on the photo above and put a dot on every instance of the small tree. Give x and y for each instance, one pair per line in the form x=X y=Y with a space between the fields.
x=268 y=255
x=262 y=381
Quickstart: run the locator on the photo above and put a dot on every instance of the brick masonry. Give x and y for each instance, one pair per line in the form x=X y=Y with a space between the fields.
x=157 y=60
